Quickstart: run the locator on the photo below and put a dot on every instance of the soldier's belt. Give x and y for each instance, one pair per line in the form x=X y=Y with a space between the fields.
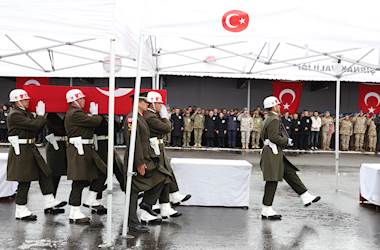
x=83 y=141
x=60 y=138
x=26 y=141
x=102 y=137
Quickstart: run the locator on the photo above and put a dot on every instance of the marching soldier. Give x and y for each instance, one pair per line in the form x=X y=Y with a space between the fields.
x=85 y=167
x=245 y=128
x=221 y=129
x=157 y=119
x=56 y=147
x=372 y=135
x=101 y=147
x=150 y=178
x=274 y=164
x=257 y=125
x=345 y=132
x=25 y=163
x=327 y=130
x=187 y=129
x=360 y=127
x=199 y=121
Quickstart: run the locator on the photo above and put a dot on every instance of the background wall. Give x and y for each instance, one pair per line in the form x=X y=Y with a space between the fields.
x=219 y=92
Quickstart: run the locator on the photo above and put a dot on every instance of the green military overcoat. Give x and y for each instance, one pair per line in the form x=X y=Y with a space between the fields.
x=27 y=165
x=144 y=154
x=159 y=127
x=272 y=165
x=86 y=166
x=56 y=159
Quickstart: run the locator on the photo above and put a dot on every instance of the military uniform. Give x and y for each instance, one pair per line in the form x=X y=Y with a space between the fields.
x=210 y=126
x=221 y=128
x=327 y=131
x=177 y=123
x=345 y=132
x=245 y=129
x=372 y=135
x=199 y=120
x=87 y=168
x=101 y=142
x=56 y=157
x=28 y=165
x=257 y=125
x=360 y=127
x=187 y=129
x=276 y=167
x=154 y=177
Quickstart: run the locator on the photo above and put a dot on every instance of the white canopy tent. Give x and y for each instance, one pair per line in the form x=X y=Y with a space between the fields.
x=288 y=40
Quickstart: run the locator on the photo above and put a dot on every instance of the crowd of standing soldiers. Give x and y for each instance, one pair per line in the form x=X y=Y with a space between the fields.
x=235 y=128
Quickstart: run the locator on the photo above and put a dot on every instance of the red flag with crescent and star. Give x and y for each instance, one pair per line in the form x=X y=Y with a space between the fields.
x=289 y=94
x=369 y=98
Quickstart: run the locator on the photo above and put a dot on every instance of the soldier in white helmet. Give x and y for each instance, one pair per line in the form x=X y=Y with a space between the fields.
x=274 y=164
x=158 y=121
x=25 y=163
x=84 y=166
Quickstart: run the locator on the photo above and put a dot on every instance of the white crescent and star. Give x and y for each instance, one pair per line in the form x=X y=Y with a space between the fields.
x=372 y=94
x=118 y=92
x=287 y=91
x=228 y=21
x=32 y=82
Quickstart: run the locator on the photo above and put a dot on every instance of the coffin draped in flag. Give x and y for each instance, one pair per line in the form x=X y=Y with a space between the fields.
x=369 y=98
x=289 y=94
x=54 y=98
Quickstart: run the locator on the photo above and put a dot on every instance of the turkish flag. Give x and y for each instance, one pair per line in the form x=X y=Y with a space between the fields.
x=54 y=98
x=36 y=81
x=369 y=98
x=289 y=94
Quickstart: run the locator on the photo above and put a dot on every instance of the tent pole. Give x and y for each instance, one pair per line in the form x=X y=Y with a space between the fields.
x=337 y=112
x=110 y=156
x=158 y=80
x=249 y=95
x=133 y=137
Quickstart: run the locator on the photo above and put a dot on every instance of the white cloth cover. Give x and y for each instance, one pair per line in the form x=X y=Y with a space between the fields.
x=7 y=188
x=214 y=182
x=370 y=182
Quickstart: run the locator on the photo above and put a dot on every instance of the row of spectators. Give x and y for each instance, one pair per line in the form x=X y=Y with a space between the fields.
x=242 y=128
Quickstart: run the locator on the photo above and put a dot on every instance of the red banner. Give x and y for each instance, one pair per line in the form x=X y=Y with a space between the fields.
x=36 y=81
x=369 y=98
x=54 y=98
x=289 y=94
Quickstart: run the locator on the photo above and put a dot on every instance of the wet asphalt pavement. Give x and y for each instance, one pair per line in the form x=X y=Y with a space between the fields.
x=336 y=222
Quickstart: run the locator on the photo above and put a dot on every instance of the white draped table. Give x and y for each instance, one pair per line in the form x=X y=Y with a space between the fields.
x=7 y=188
x=370 y=182
x=214 y=182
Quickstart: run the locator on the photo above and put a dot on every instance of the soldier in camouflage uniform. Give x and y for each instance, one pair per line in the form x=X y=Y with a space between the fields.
x=245 y=128
x=360 y=127
x=327 y=130
x=345 y=132
x=187 y=129
x=257 y=124
x=372 y=135
x=199 y=121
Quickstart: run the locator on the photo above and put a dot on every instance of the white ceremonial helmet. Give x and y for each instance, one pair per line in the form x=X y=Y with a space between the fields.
x=73 y=95
x=270 y=102
x=154 y=97
x=18 y=95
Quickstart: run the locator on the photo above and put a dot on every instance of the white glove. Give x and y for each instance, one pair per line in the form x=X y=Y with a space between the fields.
x=94 y=110
x=290 y=142
x=164 y=112
x=40 y=108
